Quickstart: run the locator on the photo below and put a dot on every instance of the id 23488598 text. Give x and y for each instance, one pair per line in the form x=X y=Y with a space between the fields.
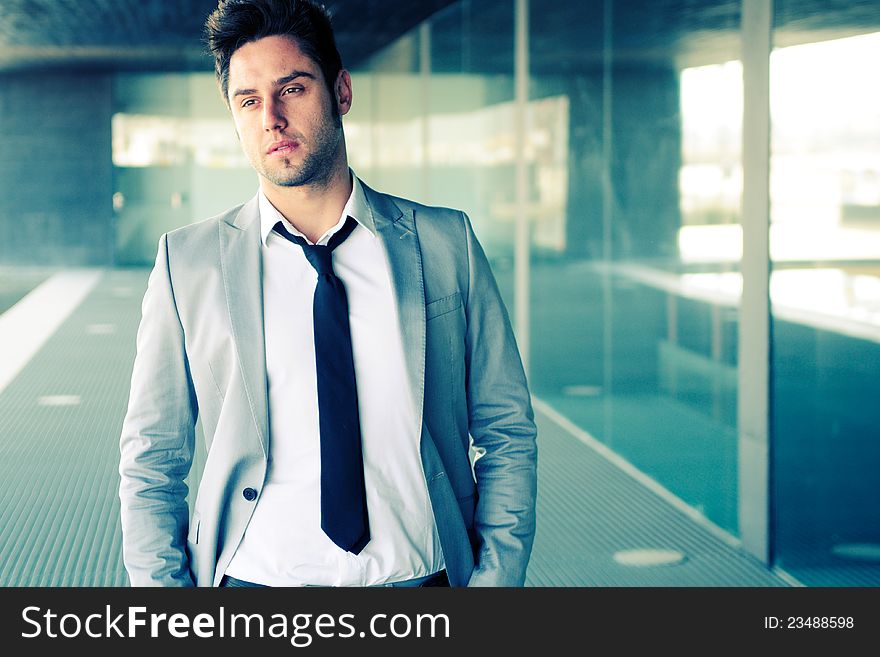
x=808 y=622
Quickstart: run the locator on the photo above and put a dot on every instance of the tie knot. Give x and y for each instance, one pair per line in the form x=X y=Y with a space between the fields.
x=318 y=255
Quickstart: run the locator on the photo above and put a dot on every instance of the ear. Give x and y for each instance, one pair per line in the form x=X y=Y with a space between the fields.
x=343 y=91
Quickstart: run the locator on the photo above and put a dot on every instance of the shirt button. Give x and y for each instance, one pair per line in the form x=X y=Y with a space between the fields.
x=250 y=494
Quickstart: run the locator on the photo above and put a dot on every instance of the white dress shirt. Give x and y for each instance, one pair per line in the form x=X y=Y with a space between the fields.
x=284 y=544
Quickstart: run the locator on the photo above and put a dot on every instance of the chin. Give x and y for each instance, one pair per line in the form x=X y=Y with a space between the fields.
x=286 y=177
x=287 y=181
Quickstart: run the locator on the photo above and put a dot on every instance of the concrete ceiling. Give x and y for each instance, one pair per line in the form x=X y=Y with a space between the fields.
x=166 y=34
x=569 y=36
x=680 y=32
x=474 y=36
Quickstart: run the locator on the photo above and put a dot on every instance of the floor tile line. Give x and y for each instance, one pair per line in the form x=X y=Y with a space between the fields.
x=26 y=326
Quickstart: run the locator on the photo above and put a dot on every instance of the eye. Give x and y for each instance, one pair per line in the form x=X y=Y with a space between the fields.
x=247 y=102
x=290 y=90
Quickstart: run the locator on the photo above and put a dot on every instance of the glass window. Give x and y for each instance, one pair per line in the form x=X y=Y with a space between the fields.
x=636 y=247
x=825 y=291
x=176 y=158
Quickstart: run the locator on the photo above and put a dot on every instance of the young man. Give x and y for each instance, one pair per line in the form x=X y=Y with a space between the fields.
x=342 y=348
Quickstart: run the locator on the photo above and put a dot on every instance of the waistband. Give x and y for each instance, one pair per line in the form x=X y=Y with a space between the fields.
x=436 y=579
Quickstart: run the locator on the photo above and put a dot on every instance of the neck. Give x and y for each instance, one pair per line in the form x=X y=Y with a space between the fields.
x=312 y=209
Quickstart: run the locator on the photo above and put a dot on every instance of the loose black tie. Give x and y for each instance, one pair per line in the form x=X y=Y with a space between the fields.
x=343 y=494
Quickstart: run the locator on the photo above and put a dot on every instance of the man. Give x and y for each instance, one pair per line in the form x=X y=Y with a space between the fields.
x=342 y=348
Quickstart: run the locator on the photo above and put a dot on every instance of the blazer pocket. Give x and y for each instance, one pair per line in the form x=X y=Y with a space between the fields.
x=442 y=305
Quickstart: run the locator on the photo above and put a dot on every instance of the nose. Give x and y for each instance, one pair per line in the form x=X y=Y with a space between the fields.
x=273 y=118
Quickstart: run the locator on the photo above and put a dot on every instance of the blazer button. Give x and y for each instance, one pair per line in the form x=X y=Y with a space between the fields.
x=249 y=494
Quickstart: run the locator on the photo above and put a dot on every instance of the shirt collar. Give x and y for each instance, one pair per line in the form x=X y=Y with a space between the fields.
x=356 y=207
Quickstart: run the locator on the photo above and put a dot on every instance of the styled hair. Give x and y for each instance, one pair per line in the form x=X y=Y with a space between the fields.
x=237 y=22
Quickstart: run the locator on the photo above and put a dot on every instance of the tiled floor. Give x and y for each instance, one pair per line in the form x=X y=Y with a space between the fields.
x=59 y=425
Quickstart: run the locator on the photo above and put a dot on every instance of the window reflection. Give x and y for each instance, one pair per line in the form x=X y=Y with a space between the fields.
x=825 y=167
x=161 y=141
x=710 y=179
x=475 y=140
x=825 y=180
x=825 y=288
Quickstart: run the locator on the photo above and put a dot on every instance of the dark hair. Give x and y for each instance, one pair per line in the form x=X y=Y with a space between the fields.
x=237 y=22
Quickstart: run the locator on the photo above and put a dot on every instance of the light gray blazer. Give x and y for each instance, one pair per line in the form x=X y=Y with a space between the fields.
x=200 y=352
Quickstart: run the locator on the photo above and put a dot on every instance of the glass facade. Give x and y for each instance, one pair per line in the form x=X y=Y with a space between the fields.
x=634 y=311
x=634 y=170
x=825 y=290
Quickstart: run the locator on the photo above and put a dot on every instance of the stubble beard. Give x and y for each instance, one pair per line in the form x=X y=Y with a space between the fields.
x=316 y=167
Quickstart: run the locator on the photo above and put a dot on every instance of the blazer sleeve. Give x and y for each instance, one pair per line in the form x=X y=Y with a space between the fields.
x=501 y=423
x=157 y=441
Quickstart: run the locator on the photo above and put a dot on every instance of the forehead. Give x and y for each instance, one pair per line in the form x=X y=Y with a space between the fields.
x=268 y=59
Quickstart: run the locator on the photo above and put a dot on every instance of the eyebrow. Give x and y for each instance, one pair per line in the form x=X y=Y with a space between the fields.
x=280 y=81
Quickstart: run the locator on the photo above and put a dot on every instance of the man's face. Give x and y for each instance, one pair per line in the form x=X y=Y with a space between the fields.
x=289 y=125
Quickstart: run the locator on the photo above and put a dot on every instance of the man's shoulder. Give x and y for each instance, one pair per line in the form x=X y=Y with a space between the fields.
x=410 y=206
x=424 y=208
x=205 y=230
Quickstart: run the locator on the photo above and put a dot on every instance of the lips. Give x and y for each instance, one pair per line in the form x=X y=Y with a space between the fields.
x=281 y=147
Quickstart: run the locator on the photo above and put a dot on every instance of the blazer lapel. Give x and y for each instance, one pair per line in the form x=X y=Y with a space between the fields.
x=398 y=234
x=241 y=261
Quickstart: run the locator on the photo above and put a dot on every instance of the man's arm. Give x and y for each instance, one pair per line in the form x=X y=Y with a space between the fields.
x=501 y=423
x=157 y=441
